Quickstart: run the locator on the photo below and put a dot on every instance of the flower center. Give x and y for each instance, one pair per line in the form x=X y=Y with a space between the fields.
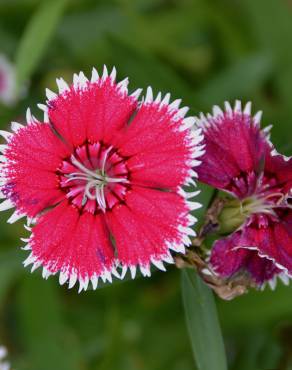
x=236 y=211
x=262 y=204
x=95 y=177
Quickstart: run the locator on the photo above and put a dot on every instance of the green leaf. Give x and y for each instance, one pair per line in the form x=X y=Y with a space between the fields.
x=36 y=38
x=242 y=313
x=275 y=40
x=10 y=268
x=47 y=341
x=145 y=69
x=239 y=80
x=202 y=323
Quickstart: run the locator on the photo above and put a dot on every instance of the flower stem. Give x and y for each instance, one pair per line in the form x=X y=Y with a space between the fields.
x=202 y=322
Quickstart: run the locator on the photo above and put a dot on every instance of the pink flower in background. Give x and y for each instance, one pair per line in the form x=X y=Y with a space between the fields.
x=7 y=81
x=241 y=161
x=4 y=365
x=101 y=179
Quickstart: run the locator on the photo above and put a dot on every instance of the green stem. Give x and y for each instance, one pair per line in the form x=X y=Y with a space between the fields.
x=202 y=322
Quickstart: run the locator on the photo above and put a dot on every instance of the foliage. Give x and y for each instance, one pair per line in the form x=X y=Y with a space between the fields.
x=202 y=322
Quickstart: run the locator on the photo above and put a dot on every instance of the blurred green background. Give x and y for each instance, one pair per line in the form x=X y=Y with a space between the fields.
x=204 y=51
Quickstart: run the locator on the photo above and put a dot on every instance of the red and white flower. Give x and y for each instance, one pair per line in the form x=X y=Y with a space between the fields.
x=7 y=81
x=240 y=160
x=101 y=178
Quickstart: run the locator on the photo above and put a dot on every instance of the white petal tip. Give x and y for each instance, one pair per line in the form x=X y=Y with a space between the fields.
x=62 y=85
x=145 y=271
x=50 y=95
x=136 y=93
x=94 y=75
x=149 y=95
x=158 y=264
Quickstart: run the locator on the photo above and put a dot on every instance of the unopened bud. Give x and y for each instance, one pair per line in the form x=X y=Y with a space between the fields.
x=231 y=216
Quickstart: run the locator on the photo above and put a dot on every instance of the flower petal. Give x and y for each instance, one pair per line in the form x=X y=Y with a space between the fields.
x=279 y=167
x=161 y=146
x=29 y=177
x=78 y=245
x=229 y=259
x=148 y=225
x=271 y=238
x=235 y=151
x=91 y=110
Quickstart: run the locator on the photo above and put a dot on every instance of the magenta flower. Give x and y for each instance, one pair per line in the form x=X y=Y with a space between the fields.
x=241 y=161
x=7 y=81
x=102 y=180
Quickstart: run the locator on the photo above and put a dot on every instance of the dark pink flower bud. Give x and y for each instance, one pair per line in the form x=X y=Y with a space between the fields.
x=240 y=160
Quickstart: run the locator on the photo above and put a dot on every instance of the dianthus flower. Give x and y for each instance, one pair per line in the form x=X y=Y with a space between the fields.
x=4 y=365
x=241 y=161
x=101 y=178
x=7 y=81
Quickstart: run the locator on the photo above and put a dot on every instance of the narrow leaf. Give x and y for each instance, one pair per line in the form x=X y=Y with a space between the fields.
x=202 y=322
x=36 y=38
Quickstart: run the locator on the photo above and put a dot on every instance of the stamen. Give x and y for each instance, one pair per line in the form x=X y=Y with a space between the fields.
x=116 y=179
x=76 y=178
x=261 y=204
x=104 y=160
x=273 y=195
x=85 y=169
x=95 y=181
x=87 y=192
x=100 y=197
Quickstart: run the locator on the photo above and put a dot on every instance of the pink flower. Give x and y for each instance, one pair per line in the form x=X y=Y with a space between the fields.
x=7 y=81
x=4 y=365
x=241 y=161
x=101 y=178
